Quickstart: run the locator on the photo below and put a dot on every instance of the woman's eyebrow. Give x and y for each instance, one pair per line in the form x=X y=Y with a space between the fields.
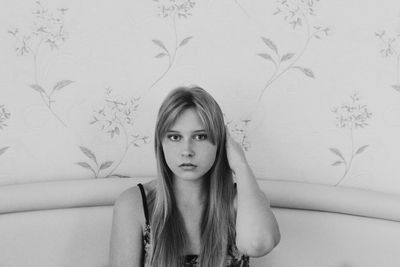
x=195 y=131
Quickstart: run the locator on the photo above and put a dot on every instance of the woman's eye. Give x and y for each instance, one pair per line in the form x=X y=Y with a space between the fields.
x=174 y=137
x=200 y=137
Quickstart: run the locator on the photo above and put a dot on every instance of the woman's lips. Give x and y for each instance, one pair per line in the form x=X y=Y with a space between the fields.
x=187 y=166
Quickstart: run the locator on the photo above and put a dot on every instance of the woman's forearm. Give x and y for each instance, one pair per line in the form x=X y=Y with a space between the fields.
x=257 y=231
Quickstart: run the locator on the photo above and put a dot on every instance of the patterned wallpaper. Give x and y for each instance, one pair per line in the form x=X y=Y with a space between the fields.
x=311 y=89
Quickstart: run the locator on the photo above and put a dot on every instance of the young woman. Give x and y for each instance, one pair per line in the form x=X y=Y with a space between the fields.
x=193 y=214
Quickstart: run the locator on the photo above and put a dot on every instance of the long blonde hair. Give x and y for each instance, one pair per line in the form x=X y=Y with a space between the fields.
x=168 y=237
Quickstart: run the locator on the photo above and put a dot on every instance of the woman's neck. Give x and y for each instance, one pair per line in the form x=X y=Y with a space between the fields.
x=189 y=193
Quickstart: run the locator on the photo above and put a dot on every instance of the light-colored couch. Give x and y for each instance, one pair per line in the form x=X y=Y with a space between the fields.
x=68 y=223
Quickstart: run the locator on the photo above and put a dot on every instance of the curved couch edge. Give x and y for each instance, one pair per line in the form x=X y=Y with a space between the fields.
x=282 y=194
x=63 y=194
x=315 y=197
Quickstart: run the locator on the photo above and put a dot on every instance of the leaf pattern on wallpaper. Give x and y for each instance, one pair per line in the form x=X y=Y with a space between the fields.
x=172 y=10
x=48 y=30
x=390 y=48
x=297 y=13
x=5 y=115
x=90 y=155
x=239 y=131
x=350 y=116
x=4 y=149
x=242 y=8
x=117 y=118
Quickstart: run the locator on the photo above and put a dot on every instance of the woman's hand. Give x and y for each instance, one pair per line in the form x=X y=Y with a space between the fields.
x=236 y=157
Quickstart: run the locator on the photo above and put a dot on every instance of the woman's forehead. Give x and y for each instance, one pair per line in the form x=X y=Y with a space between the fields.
x=188 y=120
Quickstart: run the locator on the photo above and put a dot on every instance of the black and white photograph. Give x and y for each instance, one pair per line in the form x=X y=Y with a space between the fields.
x=199 y=133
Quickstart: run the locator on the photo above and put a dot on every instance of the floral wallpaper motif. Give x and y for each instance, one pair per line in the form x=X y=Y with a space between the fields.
x=4 y=116
x=239 y=130
x=93 y=165
x=239 y=4
x=108 y=133
x=116 y=118
x=390 y=48
x=174 y=11
x=296 y=13
x=48 y=32
x=351 y=117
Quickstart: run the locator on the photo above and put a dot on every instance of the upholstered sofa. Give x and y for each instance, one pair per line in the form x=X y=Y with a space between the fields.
x=68 y=223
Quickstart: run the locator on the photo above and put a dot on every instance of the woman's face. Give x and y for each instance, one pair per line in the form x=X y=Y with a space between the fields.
x=188 y=151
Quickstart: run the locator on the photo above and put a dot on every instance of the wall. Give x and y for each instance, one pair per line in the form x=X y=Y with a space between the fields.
x=310 y=88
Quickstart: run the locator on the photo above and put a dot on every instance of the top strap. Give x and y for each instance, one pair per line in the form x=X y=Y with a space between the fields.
x=146 y=210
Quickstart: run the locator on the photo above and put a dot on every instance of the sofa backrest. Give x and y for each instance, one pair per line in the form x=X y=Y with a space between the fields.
x=68 y=223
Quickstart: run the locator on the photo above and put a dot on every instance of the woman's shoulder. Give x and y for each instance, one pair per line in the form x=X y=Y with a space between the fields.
x=130 y=202
x=150 y=186
x=133 y=194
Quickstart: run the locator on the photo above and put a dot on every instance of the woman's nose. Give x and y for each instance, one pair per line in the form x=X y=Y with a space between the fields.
x=187 y=150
